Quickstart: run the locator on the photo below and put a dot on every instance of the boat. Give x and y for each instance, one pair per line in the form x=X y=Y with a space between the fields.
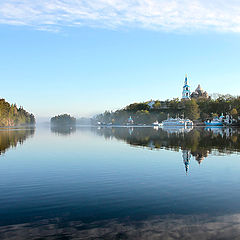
x=177 y=122
x=156 y=124
x=215 y=122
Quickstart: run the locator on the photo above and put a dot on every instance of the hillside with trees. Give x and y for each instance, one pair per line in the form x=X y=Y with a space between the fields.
x=194 y=109
x=11 y=115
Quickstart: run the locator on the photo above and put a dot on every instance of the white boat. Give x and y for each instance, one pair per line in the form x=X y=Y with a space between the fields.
x=177 y=122
x=156 y=124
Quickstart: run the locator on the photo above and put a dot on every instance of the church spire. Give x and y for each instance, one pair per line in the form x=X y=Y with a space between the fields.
x=186 y=89
x=186 y=80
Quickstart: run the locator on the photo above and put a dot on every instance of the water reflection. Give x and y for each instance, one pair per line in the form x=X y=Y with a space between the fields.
x=186 y=159
x=200 y=141
x=193 y=142
x=63 y=130
x=82 y=187
x=12 y=137
x=177 y=129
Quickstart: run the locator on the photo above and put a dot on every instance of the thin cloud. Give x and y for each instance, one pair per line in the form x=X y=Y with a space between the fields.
x=163 y=15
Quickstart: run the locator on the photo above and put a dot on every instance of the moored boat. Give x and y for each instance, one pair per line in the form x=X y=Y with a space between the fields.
x=156 y=124
x=215 y=122
x=177 y=122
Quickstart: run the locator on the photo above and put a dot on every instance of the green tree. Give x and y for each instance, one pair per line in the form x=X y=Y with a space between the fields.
x=234 y=112
x=191 y=110
x=157 y=105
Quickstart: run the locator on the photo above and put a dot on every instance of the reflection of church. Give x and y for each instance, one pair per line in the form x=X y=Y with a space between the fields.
x=196 y=144
x=198 y=93
x=199 y=157
x=186 y=155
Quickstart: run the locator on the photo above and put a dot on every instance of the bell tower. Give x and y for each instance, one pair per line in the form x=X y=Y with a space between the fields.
x=186 y=89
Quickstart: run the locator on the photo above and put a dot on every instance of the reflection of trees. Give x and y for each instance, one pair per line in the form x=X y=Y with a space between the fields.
x=200 y=142
x=63 y=130
x=11 y=137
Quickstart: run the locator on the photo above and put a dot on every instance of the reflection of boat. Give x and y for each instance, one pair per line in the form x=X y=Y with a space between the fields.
x=177 y=122
x=219 y=130
x=177 y=129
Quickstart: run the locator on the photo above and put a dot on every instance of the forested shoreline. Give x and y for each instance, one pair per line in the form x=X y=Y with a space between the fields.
x=11 y=115
x=195 y=109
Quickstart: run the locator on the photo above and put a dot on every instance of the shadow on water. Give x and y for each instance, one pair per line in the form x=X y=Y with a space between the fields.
x=11 y=137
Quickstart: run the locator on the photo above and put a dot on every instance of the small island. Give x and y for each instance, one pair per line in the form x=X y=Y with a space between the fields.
x=63 y=120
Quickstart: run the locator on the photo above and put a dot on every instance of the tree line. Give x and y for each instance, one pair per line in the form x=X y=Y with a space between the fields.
x=11 y=115
x=195 y=109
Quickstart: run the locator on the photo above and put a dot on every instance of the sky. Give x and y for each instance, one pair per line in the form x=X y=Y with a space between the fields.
x=84 y=57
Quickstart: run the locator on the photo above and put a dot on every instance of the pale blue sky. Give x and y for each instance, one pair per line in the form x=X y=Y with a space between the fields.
x=72 y=56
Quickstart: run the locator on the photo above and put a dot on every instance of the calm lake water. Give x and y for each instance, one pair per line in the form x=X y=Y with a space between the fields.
x=119 y=183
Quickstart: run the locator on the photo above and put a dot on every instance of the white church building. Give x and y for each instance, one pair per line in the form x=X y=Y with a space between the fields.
x=198 y=93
